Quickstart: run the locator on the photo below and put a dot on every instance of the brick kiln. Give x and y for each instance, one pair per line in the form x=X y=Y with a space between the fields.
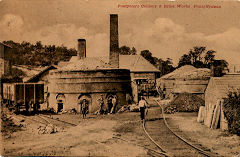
x=90 y=79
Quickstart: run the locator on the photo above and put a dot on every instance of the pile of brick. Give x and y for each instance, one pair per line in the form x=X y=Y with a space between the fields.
x=184 y=102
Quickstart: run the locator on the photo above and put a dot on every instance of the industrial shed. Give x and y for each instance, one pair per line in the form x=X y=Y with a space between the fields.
x=90 y=78
x=186 y=79
x=219 y=87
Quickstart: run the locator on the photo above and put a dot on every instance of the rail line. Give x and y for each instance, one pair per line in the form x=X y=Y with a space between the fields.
x=152 y=151
x=158 y=124
x=38 y=121
x=59 y=120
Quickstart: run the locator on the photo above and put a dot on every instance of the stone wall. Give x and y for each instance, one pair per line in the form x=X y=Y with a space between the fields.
x=94 y=83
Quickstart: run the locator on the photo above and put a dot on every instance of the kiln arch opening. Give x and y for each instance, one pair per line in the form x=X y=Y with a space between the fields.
x=88 y=100
x=60 y=102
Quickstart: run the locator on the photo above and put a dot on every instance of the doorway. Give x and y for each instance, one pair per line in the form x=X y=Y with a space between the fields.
x=88 y=100
x=60 y=102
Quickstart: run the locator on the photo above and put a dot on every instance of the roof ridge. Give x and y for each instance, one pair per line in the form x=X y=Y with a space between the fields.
x=136 y=61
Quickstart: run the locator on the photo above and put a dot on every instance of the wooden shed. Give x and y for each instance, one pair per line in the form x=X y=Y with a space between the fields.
x=219 y=87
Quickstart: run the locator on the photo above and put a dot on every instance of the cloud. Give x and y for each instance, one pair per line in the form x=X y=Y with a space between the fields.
x=163 y=37
x=59 y=34
x=227 y=44
x=67 y=35
x=11 y=25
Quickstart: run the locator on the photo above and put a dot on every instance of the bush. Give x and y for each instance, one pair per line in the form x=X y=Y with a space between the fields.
x=231 y=109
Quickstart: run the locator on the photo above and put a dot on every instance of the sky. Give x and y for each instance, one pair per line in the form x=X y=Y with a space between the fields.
x=166 y=32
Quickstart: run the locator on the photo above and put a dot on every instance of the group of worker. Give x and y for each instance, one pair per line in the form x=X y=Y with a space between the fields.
x=111 y=105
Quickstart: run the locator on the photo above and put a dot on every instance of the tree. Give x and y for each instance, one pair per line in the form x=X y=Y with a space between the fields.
x=133 y=51
x=38 y=54
x=196 y=53
x=39 y=45
x=209 y=57
x=218 y=67
x=165 y=66
x=184 y=60
x=148 y=56
x=195 y=58
x=125 y=50
x=231 y=109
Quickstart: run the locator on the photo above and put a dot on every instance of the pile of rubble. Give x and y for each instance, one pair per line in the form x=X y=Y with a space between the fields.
x=184 y=102
x=48 y=129
x=129 y=108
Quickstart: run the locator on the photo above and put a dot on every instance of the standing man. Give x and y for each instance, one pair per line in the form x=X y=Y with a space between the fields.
x=110 y=105
x=84 y=107
x=114 y=103
x=101 y=104
x=142 y=104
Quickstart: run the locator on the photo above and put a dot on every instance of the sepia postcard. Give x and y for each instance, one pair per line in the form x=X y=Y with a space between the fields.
x=120 y=78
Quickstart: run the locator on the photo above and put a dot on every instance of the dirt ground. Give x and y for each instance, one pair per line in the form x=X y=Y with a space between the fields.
x=91 y=137
x=95 y=136
x=220 y=142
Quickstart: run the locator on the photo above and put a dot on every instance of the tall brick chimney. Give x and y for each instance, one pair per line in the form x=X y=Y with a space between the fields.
x=114 y=47
x=81 y=48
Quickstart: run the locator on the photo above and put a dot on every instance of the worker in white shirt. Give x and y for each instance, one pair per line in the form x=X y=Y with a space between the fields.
x=114 y=103
x=142 y=105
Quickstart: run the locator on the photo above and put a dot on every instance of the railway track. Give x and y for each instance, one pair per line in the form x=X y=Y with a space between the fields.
x=44 y=121
x=58 y=120
x=36 y=118
x=167 y=140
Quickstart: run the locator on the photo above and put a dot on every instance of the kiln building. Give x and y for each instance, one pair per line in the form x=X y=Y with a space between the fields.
x=90 y=78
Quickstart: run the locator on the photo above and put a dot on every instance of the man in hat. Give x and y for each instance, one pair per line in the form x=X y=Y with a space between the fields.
x=84 y=107
x=101 y=104
x=142 y=105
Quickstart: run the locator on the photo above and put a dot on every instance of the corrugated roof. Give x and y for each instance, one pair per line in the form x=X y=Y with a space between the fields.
x=226 y=84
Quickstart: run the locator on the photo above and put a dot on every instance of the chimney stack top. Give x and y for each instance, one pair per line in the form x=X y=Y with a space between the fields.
x=81 y=48
x=81 y=39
